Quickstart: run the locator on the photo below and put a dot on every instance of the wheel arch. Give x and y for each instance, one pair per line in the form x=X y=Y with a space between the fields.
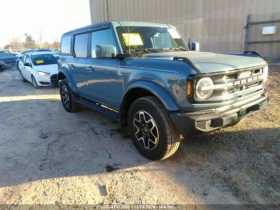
x=64 y=74
x=142 y=89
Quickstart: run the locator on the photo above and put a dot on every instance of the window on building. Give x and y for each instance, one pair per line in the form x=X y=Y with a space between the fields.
x=80 y=45
x=103 y=37
x=65 y=44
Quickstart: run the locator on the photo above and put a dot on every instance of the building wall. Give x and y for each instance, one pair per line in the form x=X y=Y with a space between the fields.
x=217 y=24
x=267 y=50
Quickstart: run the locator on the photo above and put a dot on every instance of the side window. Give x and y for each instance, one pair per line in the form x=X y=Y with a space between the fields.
x=80 y=45
x=104 y=37
x=27 y=59
x=23 y=58
x=65 y=44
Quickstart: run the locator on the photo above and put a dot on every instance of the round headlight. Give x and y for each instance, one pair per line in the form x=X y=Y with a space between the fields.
x=201 y=90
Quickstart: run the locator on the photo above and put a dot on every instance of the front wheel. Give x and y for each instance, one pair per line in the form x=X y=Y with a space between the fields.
x=68 y=97
x=153 y=133
x=34 y=82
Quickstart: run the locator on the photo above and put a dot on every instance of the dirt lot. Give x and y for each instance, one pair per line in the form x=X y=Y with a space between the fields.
x=49 y=156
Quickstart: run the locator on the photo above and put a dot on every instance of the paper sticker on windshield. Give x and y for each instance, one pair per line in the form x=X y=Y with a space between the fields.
x=39 y=61
x=132 y=39
x=174 y=34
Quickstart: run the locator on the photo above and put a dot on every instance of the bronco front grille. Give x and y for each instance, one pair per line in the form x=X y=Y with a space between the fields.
x=236 y=84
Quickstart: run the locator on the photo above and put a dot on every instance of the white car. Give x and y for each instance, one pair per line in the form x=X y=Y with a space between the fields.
x=39 y=68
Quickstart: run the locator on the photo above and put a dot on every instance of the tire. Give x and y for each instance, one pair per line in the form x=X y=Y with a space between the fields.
x=68 y=97
x=17 y=64
x=34 y=83
x=159 y=139
x=22 y=77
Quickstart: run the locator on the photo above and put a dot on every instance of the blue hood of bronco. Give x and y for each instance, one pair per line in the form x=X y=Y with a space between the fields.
x=208 y=62
x=9 y=58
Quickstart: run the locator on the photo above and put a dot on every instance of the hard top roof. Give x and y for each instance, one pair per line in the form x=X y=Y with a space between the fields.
x=106 y=24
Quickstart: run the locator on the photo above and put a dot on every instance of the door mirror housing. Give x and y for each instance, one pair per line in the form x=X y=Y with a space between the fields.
x=105 y=51
x=195 y=46
x=26 y=64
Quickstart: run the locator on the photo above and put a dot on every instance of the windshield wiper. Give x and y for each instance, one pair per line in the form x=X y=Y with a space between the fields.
x=152 y=50
x=147 y=50
x=174 y=49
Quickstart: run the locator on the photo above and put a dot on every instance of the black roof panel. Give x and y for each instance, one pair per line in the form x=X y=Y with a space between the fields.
x=96 y=26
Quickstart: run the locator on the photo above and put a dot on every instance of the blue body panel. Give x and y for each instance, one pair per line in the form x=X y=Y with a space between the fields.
x=108 y=80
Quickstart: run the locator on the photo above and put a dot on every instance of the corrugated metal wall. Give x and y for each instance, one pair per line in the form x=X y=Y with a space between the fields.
x=217 y=24
x=267 y=50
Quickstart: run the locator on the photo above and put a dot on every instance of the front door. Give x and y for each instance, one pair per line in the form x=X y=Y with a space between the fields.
x=104 y=82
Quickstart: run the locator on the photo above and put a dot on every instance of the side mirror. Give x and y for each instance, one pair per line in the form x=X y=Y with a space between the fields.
x=26 y=64
x=195 y=46
x=105 y=51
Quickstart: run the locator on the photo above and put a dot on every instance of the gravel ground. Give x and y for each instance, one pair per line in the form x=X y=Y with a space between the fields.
x=49 y=156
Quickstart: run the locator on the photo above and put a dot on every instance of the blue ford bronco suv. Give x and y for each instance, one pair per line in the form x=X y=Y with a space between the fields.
x=145 y=76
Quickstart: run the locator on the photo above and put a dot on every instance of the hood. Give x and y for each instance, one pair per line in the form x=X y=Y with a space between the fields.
x=9 y=57
x=208 y=62
x=52 y=69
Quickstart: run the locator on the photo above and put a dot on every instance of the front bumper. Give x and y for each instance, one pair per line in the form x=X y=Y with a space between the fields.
x=10 y=64
x=48 y=80
x=3 y=67
x=209 y=120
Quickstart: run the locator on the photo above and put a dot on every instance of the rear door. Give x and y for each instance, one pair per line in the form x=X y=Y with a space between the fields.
x=27 y=69
x=21 y=65
x=78 y=66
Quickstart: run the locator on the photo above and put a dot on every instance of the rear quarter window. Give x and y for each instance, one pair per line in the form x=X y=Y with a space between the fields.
x=65 y=45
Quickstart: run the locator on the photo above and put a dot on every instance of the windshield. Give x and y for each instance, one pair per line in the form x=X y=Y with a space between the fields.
x=44 y=59
x=5 y=53
x=151 y=38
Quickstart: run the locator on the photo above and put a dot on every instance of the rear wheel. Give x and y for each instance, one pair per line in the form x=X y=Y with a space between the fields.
x=153 y=133
x=68 y=97
x=22 y=77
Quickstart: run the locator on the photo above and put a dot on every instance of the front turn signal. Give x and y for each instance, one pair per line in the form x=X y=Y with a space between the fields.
x=189 y=88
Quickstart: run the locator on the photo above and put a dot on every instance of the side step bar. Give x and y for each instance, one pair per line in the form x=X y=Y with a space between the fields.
x=100 y=108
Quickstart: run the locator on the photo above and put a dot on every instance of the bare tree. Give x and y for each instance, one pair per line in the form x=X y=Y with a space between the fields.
x=40 y=40
x=16 y=44
x=29 y=42
x=56 y=43
x=45 y=45
x=7 y=46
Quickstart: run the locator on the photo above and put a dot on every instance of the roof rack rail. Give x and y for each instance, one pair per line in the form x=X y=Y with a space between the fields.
x=188 y=61
x=252 y=52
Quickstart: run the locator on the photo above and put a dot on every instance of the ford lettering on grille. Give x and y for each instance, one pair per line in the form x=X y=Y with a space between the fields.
x=240 y=82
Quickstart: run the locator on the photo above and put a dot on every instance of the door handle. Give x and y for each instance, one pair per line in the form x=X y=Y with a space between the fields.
x=71 y=66
x=120 y=73
x=90 y=68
